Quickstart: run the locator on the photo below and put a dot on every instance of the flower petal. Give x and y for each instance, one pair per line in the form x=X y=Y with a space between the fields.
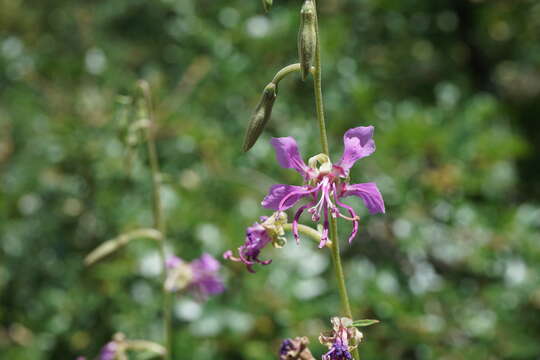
x=210 y=285
x=278 y=192
x=369 y=193
x=288 y=156
x=206 y=263
x=358 y=143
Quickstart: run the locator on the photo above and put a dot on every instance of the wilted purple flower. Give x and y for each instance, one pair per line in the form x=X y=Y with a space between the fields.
x=200 y=276
x=343 y=339
x=295 y=349
x=325 y=183
x=269 y=230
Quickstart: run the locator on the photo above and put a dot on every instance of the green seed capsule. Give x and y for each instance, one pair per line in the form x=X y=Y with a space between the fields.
x=260 y=117
x=267 y=4
x=307 y=37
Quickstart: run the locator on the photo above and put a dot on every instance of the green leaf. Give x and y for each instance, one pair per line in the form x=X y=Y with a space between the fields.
x=364 y=322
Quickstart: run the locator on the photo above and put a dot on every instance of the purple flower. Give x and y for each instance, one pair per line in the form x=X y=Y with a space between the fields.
x=342 y=339
x=109 y=351
x=325 y=183
x=269 y=230
x=338 y=351
x=205 y=279
x=200 y=276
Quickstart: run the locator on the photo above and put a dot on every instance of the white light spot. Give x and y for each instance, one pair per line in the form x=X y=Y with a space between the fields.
x=258 y=26
x=29 y=204
x=141 y=292
x=310 y=288
x=387 y=282
x=150 y=265
x=206 y=327
x=239 y=322
x=187 y=310
x=209 y=235
x=316 y=264
x=516 y=272
x=11 y=47
x=95 y=61
x=402 y=228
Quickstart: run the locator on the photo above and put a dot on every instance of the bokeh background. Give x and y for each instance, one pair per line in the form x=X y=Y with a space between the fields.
x=452 y=87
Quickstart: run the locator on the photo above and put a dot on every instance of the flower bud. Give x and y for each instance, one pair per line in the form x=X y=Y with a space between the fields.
x=307 y=37
x=260 y=117
x=267 y=4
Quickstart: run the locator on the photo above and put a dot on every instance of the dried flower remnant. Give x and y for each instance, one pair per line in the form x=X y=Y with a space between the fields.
x=295 y=349
x=269 y=230
x=343 y=339
x=325 y=184
x=199 y=277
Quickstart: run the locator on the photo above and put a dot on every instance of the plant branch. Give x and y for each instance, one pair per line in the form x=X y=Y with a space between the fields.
x=159 y=220
x=336 y=259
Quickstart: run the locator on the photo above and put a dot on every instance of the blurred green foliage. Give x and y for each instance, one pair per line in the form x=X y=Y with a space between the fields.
x=452 y=87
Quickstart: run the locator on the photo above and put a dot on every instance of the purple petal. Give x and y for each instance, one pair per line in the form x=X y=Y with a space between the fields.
x=367 y=192
x=210 y=285
x=206 y=263
x=278 y=192
x=288 y=155
x=173 y=262
x=108 y=352
x=358 y=143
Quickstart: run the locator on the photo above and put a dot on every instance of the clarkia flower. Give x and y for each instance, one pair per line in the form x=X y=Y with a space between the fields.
x=268 y=230
x=325 y=184
x=199 y=277
x=343 y=339
x=295 y=349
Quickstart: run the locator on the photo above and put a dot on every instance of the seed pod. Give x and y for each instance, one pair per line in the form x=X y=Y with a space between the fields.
x=307 y=37
x=260 y=117
x=267 y=4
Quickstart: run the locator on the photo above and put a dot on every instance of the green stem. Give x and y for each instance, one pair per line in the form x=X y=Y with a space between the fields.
x=285 y=71
x=336 y=259
x=159 y=220
x=310 y=232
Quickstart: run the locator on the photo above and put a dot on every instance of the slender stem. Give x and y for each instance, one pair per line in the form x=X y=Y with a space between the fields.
x=285 y=71
x=336 y=259
x=310 y=232
x=159 y=220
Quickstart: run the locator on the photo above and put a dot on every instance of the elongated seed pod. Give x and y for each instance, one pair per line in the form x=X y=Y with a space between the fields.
x=260 y=116
x=307 y=37
x=267 y=4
